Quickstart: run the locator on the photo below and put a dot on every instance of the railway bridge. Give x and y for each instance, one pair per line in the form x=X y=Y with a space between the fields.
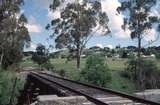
x=62 y=91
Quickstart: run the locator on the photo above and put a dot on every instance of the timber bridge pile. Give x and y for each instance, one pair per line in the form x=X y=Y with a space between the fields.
x=39 y=84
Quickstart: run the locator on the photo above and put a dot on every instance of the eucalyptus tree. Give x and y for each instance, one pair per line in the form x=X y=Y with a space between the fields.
x=78 y=22
x=13 y=33
x=139 y=20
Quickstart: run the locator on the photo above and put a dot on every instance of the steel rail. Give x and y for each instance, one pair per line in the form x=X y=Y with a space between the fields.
x=92 y=99
x=133 y=98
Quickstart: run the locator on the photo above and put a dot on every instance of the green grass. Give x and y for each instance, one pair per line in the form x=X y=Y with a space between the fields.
x=118 y=82
x=7 y=79
x=70 y=65
x=28 y=63
x=117 y=64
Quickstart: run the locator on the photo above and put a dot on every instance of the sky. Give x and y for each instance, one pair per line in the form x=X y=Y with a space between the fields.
x=39 y=15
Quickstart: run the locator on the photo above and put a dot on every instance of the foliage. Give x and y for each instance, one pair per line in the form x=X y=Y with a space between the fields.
x=158 y=55
x=139 y=21
x=41 y=55
x=121 y=83
x=118 y=82
x=7 y=79
x=62 y=72
x=48 y=66
x=96 y=71
x=124 y=54
x=76 y=25
x=148 y=73
x=13 y=33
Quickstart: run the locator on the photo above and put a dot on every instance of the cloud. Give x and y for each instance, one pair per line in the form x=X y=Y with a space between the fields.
x=32 y=47
x=99 y=45
x=110 y=46
x=33 y=26
x=155 y=10
x=115 y=19
x=56 y=13
x=53 y=15
x=150 y=35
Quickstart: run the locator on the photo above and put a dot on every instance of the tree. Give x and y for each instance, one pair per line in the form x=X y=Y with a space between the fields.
x=41 y=55
x=150 y=73
x=77 y=24
x=139 y=20
x=13 y=33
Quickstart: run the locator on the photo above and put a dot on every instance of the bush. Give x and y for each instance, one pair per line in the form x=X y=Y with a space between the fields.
x=158 y=55
x=62 y=72
x=48 y=66
x=146 y=75
x=7 y=80
x=96 y=71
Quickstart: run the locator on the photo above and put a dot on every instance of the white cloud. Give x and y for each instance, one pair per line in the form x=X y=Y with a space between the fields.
x=150 y=35
x=56 y=13
x=110 y=46
x=33 y=26
x=32 y=47
x=155 y=11
x=53 y=15
x=99 y=45
x=115 y=19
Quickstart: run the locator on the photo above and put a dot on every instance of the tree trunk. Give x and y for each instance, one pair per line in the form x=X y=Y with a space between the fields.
x=139 y=71
x=1 y=59
x=78 y=57
x=78 y=62
x=139 y=47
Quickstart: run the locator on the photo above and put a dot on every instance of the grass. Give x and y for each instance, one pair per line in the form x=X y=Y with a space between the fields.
x=70 y=65
x=118 y=82
x=27 y=62
x=116 y=64
x=7 y=79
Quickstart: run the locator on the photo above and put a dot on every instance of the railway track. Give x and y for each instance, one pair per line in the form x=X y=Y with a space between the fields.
x=94 y=94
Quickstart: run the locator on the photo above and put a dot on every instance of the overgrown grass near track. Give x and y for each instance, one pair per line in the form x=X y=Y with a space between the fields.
x=116 y=65
x=118 y=82
x=7 y=80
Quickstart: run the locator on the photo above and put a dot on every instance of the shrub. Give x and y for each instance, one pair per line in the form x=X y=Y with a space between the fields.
x=158 y=55
x=48 y=66
x=62 y=72
x=96 y=71
x=7 y=80
x=146 y=75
